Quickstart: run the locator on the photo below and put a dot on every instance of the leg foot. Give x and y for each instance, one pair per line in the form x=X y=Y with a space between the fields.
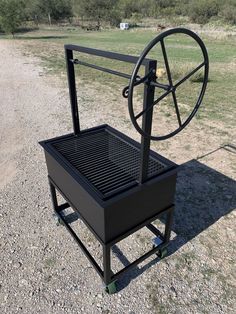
x=57 y=219
x=111 y=288
x=162 y=253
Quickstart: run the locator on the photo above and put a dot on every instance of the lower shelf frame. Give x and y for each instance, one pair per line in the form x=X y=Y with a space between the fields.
x=106 y=273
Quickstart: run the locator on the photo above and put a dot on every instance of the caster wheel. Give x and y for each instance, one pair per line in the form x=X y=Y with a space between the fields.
x=162 y=253
x=111 y=288
x=58 y=220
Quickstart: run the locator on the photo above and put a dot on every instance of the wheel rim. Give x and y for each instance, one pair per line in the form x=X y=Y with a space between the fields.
x=172 y=87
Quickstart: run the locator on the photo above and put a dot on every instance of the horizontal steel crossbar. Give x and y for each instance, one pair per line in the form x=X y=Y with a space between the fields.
x=97 y=67
x=107 y=54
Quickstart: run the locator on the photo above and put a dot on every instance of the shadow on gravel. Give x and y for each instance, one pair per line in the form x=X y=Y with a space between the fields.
x=132 y=274
x=203 y=196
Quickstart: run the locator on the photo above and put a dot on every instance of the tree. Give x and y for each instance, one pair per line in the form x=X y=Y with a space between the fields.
x=228 y=11
x=32 y=11
x=11 y=15
x=128 y=7
x=100 y=10
x=202 y=10
x=56 y=9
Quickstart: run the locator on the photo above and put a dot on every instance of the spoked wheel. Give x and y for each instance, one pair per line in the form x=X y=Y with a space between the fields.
x=166 y=89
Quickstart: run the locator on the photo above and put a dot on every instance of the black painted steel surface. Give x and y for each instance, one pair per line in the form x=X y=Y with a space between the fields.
x=114 y=203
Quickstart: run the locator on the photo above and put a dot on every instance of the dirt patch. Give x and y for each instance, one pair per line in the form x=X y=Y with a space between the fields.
x=8 y=171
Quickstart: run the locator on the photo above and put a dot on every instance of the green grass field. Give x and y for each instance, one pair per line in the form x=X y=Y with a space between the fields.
x=219 y=102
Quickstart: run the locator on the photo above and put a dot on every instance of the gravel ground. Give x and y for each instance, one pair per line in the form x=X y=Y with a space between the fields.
x=43 y=271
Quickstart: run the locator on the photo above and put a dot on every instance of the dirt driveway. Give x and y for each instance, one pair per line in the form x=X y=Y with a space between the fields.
x=42 y=270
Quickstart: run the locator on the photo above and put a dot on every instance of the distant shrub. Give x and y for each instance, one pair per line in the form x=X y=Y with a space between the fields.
x=114 y=18
x=136 y=18
x=228 y=12
x=202 y=10
x=169 y=11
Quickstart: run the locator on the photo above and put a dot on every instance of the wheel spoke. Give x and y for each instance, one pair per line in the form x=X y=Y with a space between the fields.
x=166 y=62
x=190 y=74
x=159 y=85
x=170 y=81
x=176 y=108
x=150 y=107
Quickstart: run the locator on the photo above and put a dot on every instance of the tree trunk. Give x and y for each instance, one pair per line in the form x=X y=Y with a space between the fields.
x=98 y=24
x=36 y=20
x=49 y=19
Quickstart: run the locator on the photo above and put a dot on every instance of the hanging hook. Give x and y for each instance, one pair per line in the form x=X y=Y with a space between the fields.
x=139 y=81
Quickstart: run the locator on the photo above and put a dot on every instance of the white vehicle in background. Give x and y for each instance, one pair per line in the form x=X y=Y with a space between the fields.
x=124 y=26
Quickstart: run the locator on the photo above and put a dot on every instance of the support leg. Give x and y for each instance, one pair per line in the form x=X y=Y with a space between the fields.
x=107 y=263
x=55 y=205
x=110 y=286
x=161 y=240
x=53 y=196
x=169 y=222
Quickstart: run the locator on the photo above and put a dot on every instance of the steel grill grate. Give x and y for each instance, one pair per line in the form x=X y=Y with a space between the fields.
x=109 y=163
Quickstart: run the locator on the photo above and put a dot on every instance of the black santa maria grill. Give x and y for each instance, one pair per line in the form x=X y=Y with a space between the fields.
x=116 y=184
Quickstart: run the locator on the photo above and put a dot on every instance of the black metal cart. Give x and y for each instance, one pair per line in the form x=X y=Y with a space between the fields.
x=116 y=184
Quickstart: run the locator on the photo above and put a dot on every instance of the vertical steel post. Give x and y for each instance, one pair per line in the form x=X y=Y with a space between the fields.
x=169 y=222
x=72 y=90
x=148 y=99
x=107 y=263
x=53 y=196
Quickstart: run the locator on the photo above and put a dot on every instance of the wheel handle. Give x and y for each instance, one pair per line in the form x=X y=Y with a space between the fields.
x=150 y=78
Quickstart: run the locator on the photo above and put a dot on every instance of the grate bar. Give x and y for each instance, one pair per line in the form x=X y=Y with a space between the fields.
x=95 y=142
x=89 y=156
x=114 y=182
x=105 y=177
x=101 y=161
x=108 y=163
x=118 y=185
x=99 y=170
x=86 y=163
x=120 y=189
